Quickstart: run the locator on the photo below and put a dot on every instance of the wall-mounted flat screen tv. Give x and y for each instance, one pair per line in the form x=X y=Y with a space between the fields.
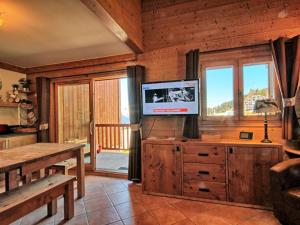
x=170 y=98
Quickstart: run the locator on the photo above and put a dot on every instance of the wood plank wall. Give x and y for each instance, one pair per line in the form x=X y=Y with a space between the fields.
x=107 y=102
x=217 y=24
x=228 y=129
x=74 y=112
x=172 y=27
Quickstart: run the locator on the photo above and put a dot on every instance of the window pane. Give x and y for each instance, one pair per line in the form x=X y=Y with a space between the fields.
x=219 y=91
x=256 y=85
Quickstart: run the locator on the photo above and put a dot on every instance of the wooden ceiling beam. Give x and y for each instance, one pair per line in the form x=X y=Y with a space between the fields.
x=82 y=63
x=123 y=18
x=10 y=67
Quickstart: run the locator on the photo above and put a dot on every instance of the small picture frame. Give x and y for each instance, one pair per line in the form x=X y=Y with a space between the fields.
x=246 y=135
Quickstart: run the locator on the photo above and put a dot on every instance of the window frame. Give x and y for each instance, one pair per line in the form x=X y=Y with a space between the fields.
x=218 y=64
x=238 y=97
x=255 y=61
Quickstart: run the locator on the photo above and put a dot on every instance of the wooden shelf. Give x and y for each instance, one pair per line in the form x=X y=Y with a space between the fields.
x=26 y=92
x=8 y=104
x=15 y=105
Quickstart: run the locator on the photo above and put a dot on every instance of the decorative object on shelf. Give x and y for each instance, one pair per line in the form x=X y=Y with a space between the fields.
x=266 y=106
x=27 y=114
x=25 y=84
x=15 y=88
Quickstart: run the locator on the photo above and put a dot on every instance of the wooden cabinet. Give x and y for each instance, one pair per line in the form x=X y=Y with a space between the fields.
x=162 y=171
x=204 y=173
x=248 y=174
x=230 y=172
x=12 y=141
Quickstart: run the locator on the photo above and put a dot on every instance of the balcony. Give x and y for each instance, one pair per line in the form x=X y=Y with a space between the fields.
x=112 y=144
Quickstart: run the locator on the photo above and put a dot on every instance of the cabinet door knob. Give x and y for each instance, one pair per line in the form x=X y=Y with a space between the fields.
x=177 y=148
x=202 y=154
x=203 y=172
x=231 y=151
x=204 y=189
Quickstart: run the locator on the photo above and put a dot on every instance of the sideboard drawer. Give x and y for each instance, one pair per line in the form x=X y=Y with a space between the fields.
x=208 y=172
x=205 y=189
x=204 y=154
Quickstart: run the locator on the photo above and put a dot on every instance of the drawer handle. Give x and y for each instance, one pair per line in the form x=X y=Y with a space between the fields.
x=203 y=172
x=204 y=189
x=202 y=154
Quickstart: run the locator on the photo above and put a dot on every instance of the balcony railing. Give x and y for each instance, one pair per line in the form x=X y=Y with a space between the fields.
x=113 y=136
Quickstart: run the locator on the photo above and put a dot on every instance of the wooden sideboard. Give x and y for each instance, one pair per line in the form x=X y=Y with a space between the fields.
x=17 y=140
x=233 y=172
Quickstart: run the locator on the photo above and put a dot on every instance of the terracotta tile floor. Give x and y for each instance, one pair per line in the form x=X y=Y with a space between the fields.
x=119 y=202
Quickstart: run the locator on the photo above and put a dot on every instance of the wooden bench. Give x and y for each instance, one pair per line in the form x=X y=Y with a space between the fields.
x=25 y=199
x=62 y=167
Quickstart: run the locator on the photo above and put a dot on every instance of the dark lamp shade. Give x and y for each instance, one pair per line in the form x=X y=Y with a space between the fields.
x=266 y=106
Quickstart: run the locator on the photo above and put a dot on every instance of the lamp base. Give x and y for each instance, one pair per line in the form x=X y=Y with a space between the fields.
x=266 y=141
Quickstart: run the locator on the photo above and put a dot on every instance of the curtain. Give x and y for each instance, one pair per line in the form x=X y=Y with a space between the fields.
x=286 y=55
x=190 y=129
x=43 y=101
x=135 y=78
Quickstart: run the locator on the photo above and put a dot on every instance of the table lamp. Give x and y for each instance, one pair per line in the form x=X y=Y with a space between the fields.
x=266 y=106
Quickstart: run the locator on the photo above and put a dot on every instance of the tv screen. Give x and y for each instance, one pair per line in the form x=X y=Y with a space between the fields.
x=171 y=98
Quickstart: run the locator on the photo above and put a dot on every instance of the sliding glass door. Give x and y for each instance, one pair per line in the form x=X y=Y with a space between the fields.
x=112 y=129
x=74 y=116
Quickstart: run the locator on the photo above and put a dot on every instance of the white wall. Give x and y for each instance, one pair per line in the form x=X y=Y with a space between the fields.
x=9 y=115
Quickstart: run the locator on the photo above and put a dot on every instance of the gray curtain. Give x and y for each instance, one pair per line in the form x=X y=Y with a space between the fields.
x=286 y=55
x=43 y=101
x=135 y=78
x=190 y=129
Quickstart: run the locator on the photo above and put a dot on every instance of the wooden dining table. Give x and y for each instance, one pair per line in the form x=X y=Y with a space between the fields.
x=31 y=158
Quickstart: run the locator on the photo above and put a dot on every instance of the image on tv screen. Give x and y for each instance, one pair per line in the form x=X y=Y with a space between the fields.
x=171 y=98
x=186 y=94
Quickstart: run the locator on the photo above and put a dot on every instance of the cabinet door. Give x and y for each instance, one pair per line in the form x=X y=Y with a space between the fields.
x=18 y=141
x=162 y=171
x=249 y=178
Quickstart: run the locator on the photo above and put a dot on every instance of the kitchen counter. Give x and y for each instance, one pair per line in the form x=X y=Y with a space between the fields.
x=15 y=135
x=13 y=140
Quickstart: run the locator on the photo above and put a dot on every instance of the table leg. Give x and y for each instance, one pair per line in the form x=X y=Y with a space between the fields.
x=27 y=178
x=52 y=208
x=11 y=180
x=80 y=173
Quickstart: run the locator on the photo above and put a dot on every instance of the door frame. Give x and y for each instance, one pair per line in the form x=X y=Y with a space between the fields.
x=95 y=170
x=54 y=108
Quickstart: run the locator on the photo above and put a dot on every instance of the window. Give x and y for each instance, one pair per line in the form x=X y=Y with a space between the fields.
x=231 y=87
x=219 y=91
x=258 y=84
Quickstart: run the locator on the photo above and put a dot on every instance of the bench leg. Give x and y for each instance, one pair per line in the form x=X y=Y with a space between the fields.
x=69 y=201
x=80 y=173
x=41 y=173
x=48 y=171
x=65 y=171
x=26 y=179
x=52 y=208
x=11 y=180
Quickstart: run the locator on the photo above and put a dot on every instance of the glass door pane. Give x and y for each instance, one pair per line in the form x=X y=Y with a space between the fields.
x=112 y=129
x=73 y=115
